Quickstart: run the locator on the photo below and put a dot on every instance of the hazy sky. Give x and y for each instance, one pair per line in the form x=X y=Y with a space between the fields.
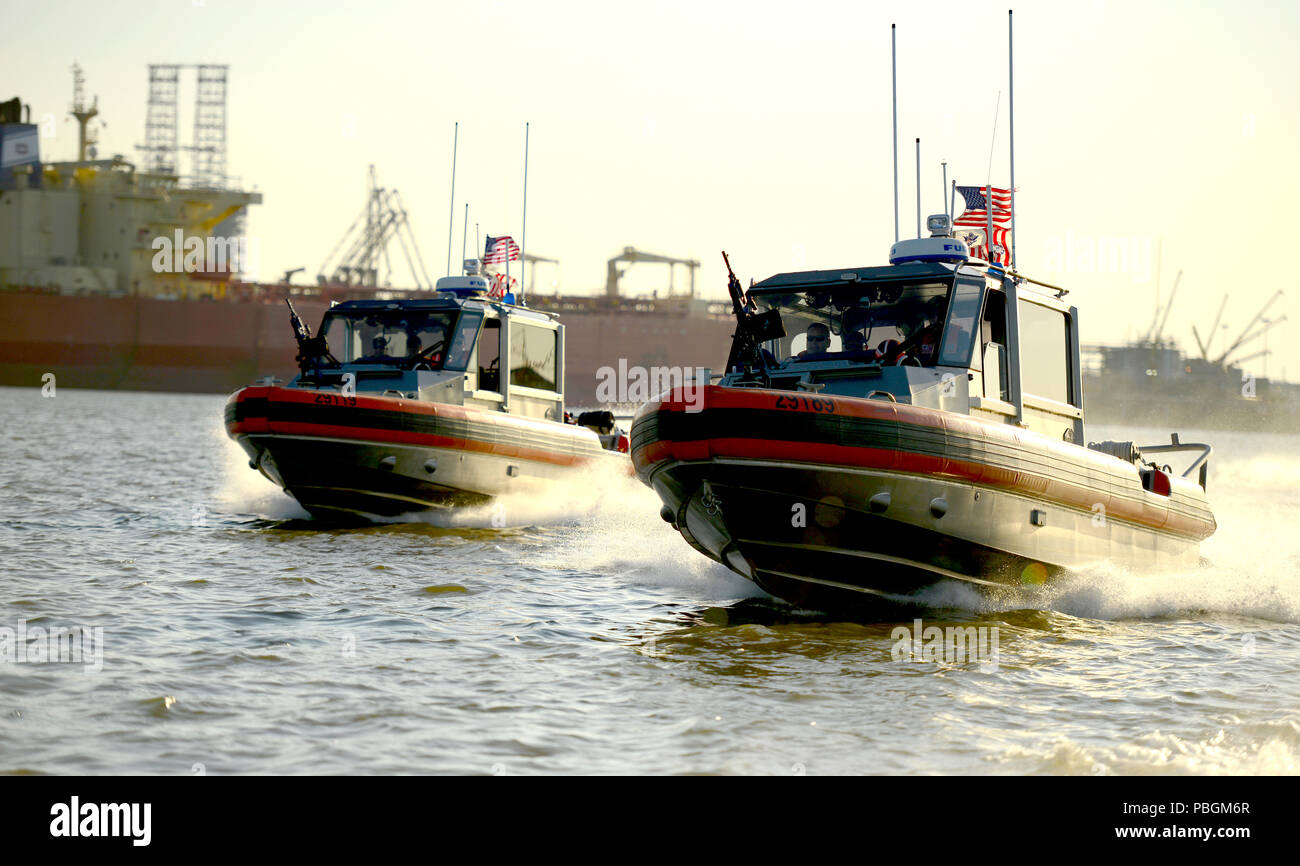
x=760 y=128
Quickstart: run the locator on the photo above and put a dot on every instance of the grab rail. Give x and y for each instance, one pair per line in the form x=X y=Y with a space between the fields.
x=1175 y=445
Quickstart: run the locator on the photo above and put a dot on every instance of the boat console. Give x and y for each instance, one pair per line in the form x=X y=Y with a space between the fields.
x=445 y=349
x=943 y=335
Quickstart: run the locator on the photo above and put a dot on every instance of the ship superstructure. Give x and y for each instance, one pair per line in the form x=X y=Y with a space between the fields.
x=1152 y=381
x=101 y=284
x=108 y=227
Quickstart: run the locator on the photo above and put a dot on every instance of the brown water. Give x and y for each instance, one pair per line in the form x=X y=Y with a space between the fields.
x=240 y=638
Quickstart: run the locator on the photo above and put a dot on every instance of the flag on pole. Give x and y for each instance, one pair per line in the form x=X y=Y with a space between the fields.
x=977 y=199
x=501 y=283
x=976 y=220
x=500 y=250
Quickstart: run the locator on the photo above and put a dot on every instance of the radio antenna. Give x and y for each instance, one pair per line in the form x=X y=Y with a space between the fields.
x=464 y=232
x=988 y=187
x=523 y=240
x=944 y=188
x=451 y=213
x=997 y=107
x=893 y=61
x=918 y=187
x=1011 y=105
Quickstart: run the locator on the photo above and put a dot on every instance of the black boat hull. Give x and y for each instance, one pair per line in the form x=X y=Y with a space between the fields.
x=855 y=497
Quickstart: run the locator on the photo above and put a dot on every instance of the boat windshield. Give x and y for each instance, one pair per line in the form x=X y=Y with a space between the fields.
x=889 y=324
x=393 y=337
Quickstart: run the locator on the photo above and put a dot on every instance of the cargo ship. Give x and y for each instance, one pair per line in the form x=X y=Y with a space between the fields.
x=1193 y=392
x=1151 y=381
x=114 y=275
x=85 y=302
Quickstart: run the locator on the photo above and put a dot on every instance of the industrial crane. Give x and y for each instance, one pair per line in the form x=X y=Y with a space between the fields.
x=531 y=259
x=366 y=243
x=632 y=255
x=1247 y=335
x=1158 y=323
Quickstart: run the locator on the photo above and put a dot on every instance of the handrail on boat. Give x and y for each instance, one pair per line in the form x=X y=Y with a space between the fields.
x=1175 y=445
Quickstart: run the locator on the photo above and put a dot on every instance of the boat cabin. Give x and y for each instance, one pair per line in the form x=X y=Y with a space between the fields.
x=457 y=347
x=955 y=335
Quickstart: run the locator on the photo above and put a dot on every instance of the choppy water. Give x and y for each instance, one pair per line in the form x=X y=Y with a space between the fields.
x=240 y=638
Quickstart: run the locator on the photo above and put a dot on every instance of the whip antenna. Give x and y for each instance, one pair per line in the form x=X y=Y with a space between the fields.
x=893 y=60
x=1011 y=105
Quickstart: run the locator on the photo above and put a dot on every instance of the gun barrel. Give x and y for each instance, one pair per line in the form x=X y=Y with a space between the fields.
x=301 y=331
x=733 y=287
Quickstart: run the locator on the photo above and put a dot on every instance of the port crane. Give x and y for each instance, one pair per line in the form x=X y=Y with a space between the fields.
x=1159 y=320
x=356 y=258
x=531 y=259
x=632 y=256
x=1247 y=334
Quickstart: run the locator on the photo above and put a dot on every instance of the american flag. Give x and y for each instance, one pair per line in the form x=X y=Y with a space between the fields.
x=976 y=197
x=974 y=238
x=500 y=285
x=973 y=224
x=500 y=250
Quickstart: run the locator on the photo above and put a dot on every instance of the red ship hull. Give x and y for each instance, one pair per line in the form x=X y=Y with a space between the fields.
x=215 y=347
x=145 y=344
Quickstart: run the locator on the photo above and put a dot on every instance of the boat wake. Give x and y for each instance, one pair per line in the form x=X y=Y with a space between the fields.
x=604 y=522
x=1254 y=589
x=589 y=491
x=1251 y=565
x=1265 y=747
x=242 y=492
x=601 y=521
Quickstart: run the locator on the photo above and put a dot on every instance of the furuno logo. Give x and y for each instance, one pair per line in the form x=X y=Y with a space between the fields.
x=182 y=254
x=103 y=819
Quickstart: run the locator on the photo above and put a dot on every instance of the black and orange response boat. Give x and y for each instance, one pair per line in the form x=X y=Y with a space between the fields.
x=414 y=405
x=879 y=429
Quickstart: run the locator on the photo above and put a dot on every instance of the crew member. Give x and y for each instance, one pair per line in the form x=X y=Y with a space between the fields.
x=425 y=339
x=819 y=340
